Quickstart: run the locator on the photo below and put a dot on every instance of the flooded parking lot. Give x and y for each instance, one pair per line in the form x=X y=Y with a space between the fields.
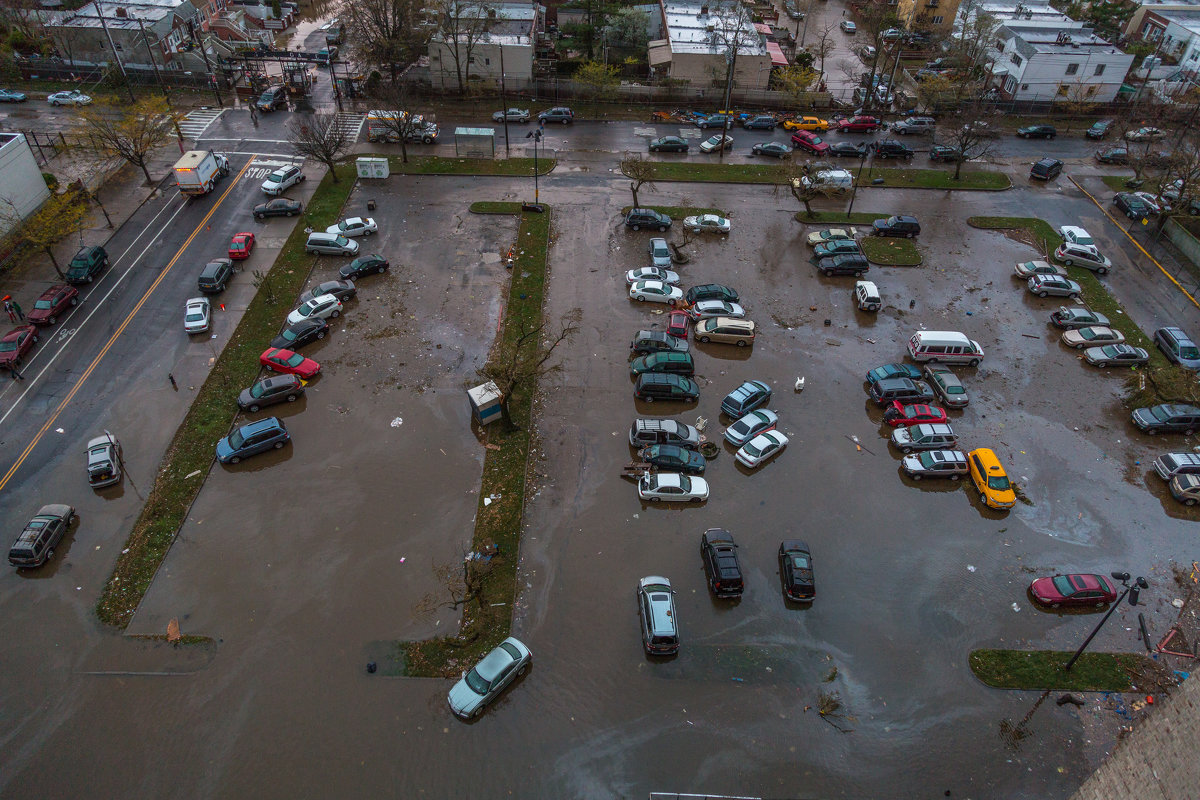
x=300 y=564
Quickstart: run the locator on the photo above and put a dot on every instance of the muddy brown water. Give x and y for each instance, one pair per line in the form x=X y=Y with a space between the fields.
x=300 y=563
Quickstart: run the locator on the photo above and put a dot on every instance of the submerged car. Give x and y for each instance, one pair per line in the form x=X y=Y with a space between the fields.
x=483 y=683
x=1091 y=336
x=1027 y=269
x=1073 y=590
x=707 y=309
x=830 y=234
x=674 y=458
x=1070 y=317
x=354 y=226
x=672 y=487
x=322 y=307
x=893 y=371
x=707 y=223
x=950 y=464
x=252 y=439
x=902 y=415
x=287 y=361
x=1116 y=355
x=1054 y=285
x=751 y=425
x=269 y=391
x=761 y=449
x=652 y=274
x=655 y=291
x=298 y=334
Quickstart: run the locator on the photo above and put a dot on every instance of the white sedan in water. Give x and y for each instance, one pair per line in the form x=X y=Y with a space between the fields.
x=354 y=226
x=714 y=143
x=71 y=98
x=672 y=487
x=707 y=223
x=652 y=274
x=761 y=449
x=656 y=292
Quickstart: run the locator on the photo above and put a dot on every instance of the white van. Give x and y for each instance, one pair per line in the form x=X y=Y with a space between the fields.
x=331 y=244
x=839 y=180
x=866 y=293
x=948 y=347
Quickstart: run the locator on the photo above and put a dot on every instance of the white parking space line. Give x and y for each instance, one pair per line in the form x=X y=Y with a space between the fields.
x=647 y=132
x=352 y=124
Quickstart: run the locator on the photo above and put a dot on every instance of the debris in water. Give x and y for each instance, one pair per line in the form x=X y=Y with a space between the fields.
x=1016 y=607
x=397 y=422
x=59 y=430
x=970 y=567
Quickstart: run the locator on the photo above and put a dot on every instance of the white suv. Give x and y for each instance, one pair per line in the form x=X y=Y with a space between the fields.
x=1076 y=235
x=1080 y=255
x=282 y=179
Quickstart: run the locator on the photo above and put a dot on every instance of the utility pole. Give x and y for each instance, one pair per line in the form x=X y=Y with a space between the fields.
x=113 y=46
x=161 y=87
x=1132 y=591
x=731 y=60
x=504 y=110
x=207 y=66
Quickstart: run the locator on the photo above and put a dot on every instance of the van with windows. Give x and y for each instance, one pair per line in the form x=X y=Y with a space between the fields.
x=947 y=347
x=660 y=627
x=866 y=294
x=331 y=244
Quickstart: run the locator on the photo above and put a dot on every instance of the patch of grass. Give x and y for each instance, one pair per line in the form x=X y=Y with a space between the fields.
x=679 y=212
x=1116 y=182
x=1095 y=294
x=890 y=252
x=1042 y=669
x=190 y=454
x=717 y=173
x=435 y=165
x=906 y=178
x=487 y=620
x=495 y=207
x=824 y=217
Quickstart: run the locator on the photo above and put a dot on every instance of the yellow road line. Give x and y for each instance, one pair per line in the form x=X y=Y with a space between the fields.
x=116 y=334
x=1129 y=236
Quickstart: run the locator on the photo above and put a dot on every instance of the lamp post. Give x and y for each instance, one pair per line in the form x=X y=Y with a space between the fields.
x=536 y=135
x=1131 y=591
x=854 y=186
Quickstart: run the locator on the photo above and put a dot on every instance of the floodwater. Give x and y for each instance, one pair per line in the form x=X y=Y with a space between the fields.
x=303 y=564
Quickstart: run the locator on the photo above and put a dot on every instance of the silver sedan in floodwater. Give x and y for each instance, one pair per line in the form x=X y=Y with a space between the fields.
x=484 y=681
x=1116 y=355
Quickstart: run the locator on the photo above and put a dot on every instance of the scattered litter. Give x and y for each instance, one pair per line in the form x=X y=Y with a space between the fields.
x=970 y=567
x=397 y=422
x=1178 y=603
x=800 y=384
x=59 y=430
x=635 y=516
x=78 y=588
x=739 y=680
x=126 y=550
x=700 y=423
x=403 y=559
x=872 y=341
x=1016 y=607
x=657 y=311
x=487 y=501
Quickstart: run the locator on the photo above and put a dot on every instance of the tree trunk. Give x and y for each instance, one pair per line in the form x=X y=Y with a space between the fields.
x=958 y=162
x=506 y=416
x=633 y=188
x=146 y=172
x=54 y=261
x=807 y=207
x=332 y=171
x=403 y=148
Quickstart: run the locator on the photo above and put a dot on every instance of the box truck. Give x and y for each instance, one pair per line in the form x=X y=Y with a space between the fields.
x=198 y=171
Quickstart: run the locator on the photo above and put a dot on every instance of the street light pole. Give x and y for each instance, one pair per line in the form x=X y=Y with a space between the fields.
x=116 y=55
x=536 y=135
x=731 y=60
x=1132 y=591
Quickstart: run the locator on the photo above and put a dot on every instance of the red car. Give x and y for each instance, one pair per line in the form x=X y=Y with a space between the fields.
x=53 y=302
x=860 y=124
x=916 y=414
x=280 y=360
x=16 y=344
x=240 y=247
x=677 y=324
x=807 y=140
x=1073 y=590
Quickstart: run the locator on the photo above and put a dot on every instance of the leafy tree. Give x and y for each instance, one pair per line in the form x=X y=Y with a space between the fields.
x=599 y=80
x=1076 y=100
x=796 y=81
x=60 y=217
x=934 y=91
x=630 y=28
x=130 y=132
x=639 y=171
x=319 y=137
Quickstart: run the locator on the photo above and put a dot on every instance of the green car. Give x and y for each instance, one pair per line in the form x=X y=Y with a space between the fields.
x=86 y=264
x=676 y=363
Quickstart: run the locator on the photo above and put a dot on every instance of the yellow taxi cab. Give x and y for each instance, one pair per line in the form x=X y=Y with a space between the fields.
x=806 y=124
x=990 y=479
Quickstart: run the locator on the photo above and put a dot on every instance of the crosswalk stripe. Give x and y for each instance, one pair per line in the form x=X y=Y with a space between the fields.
x=196 y=122
x=351 y=124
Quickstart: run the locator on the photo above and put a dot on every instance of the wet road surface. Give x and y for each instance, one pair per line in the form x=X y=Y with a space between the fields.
x=293 y=561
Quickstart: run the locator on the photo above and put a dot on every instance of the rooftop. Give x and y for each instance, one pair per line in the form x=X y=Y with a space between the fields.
x=120 y=15
x=695 y=27
x=1035 y=36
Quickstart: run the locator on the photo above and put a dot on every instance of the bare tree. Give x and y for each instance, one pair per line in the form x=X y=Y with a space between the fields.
x=319 y=137
x=823 y=46
x=874 y=19
x=731 y=30
x=130 y=133
x=1179 y=182
x=390 y=33
x=972 y=140
x=1077 y=99
x=639 y=171
x=462 y=25
x=399 y=122
x=461 y=582
x=795 y=178
x=518 y=363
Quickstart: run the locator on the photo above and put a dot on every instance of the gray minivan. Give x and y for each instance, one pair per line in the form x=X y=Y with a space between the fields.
x=928 y=436
x=331 y=244
x=41 y=535
x=1177 y=346
x=656 y=608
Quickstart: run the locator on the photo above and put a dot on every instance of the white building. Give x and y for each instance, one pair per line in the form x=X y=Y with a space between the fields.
x=1034 y=60
x=698 y=37
x=22 y=187
x=488 y=36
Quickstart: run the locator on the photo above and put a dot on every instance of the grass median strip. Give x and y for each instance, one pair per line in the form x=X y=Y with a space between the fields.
x=1095 y=294
x=1117 y=182
x=487 y=619
x=889 y=252
x=894 y=177
x=680 y=212
x=190 y=454
x=436 y=165
x=1043 y=669
x=835 y=217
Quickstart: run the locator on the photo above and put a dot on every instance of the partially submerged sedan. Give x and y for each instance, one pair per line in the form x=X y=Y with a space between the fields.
x=483 y=683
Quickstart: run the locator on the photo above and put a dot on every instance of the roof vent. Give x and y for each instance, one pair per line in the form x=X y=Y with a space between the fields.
x=121 y=12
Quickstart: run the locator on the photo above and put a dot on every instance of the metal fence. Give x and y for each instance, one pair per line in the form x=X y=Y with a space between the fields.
x=54 y=69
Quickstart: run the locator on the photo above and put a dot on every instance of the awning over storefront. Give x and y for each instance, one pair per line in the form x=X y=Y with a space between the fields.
x=778 y=59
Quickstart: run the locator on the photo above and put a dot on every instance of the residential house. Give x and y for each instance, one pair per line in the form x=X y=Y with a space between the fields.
x=700 y=36
x=22 y=187
x=1032 y=60
x=930 y=16
x=1176 y=34
x=488 y=37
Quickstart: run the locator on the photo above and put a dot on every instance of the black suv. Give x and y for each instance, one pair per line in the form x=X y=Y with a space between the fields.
x=719 y=553
x=1047 y=169
x=215 y=275
x=658 y=341
x=87 y=264
x=653 y=386
x=906 y=390
x=900 y=225
x=891 y=148
x=854 y=264
x=639 y=218
x=1037 y=132
x=274 y=98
